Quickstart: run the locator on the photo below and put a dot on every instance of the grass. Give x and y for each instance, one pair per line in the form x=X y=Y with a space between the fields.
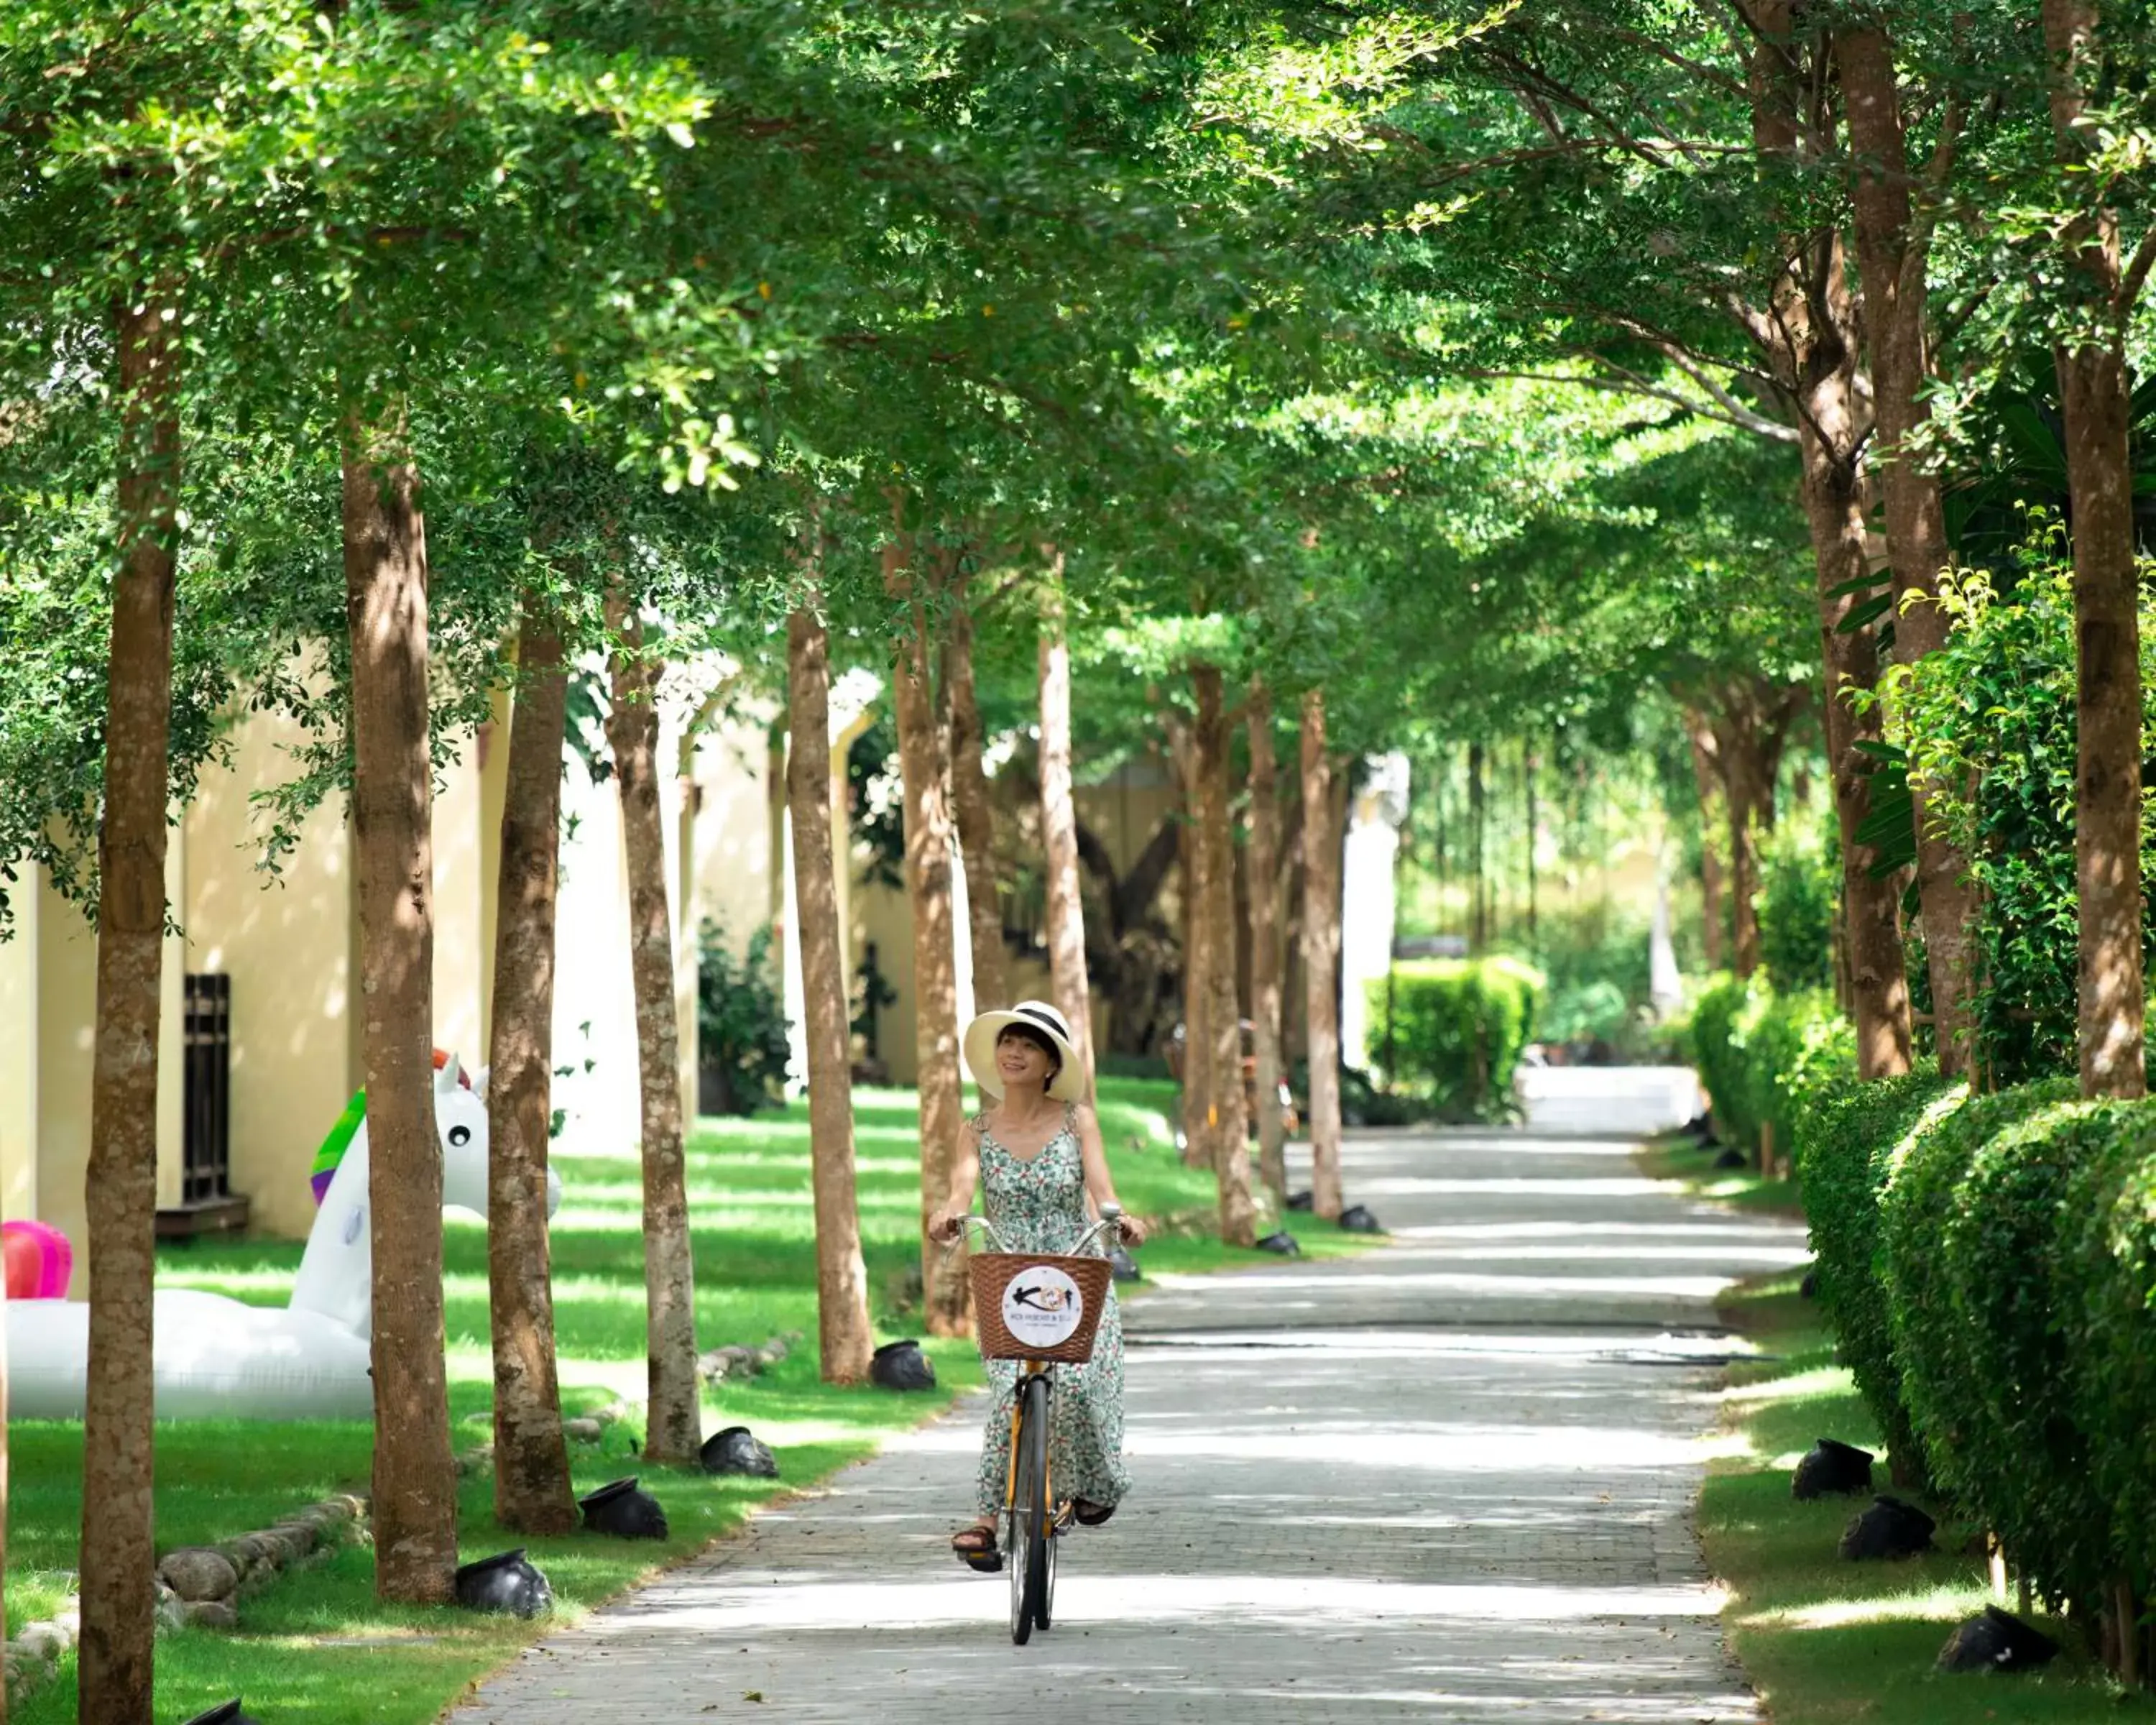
x=1674 y=1155
x=1826 y=1641
x=318 y=1648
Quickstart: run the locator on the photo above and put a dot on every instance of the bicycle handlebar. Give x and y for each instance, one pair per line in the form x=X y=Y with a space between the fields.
x=1111 y=1215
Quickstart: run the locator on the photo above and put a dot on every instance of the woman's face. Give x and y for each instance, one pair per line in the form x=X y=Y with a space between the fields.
x=1022 y=1061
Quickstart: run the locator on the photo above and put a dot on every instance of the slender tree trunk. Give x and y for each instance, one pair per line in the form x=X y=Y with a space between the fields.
x=1059 y=827
x=1224 y=1109
x=1808 y=339
x=414 y=1504
x=1266 y=955
x=1706 y=775
x=673 y=1415
x=843 y=1331
x=1892 y=259
x=1745 y=791
x=532 y=1492
x=934 y=973
x=977 y=826
x=1192 y=859
x=1478 y=815
x=1878 y=982
x=118 y=1561
x=1320 y=957
x=774 y=787
x=2107 y=793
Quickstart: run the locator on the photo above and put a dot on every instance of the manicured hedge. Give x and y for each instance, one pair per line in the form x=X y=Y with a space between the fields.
x=1453 y=1029
x=1846 y=1139
x=1761 y=1055
x=1989 y=1265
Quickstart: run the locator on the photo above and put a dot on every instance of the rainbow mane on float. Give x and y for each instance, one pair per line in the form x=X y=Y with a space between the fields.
x=346 y=1128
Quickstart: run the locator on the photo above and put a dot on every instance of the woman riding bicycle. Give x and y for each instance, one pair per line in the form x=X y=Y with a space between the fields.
x=1038 y=1150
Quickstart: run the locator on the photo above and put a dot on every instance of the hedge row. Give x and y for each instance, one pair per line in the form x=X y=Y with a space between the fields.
x=1762 y=1055
x=1989 y=1265
x=1452 y=1029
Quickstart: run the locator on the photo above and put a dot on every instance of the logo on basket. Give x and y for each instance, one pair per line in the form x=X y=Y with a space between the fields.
x=1042 y=1305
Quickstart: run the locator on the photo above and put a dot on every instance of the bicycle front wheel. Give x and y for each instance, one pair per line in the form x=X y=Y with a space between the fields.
x=1026 y=1545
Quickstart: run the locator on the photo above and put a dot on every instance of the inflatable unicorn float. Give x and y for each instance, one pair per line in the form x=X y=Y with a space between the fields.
x=215 y=1357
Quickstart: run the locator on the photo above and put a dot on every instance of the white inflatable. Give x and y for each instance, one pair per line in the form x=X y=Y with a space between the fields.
x=214 y=1357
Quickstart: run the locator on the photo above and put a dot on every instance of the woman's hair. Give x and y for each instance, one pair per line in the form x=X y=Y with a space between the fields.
x=1039 y=1039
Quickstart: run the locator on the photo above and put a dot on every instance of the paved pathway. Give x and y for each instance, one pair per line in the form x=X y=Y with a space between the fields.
x=1448 y=1482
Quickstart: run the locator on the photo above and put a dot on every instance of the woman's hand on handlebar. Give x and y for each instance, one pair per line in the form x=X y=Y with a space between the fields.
x=1133 y=1231
x=945 y=1226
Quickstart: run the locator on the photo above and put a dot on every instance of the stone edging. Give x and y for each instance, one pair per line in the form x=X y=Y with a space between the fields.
x=197 y=1585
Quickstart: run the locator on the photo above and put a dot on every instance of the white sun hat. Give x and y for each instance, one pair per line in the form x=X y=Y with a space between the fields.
x=979 y=1046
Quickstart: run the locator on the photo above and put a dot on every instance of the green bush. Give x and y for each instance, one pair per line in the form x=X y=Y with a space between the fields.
x=1989 y=728
x=740 y=1023
x=1455 y=1028
x=1761 y=1055
x=1799 y=881
x=1846 y=1136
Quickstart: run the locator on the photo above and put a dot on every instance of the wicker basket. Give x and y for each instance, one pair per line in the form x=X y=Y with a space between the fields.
x=1042 y=1304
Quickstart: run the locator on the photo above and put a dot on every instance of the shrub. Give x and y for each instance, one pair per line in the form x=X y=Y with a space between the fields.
x=741 y=1027
x=1846 y=1136
x=1761 y=1055
x=1990 y=728
x=1799 y=880
x=1456 y=1028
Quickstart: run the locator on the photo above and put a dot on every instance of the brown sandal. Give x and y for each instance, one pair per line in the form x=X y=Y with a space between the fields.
x=976 y=1547
x=1090 y=1514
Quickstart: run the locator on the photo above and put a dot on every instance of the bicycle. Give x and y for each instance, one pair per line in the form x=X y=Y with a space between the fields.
x=1041 y=1310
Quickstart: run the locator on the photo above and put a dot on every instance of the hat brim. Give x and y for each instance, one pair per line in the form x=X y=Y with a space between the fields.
x=979 y=1045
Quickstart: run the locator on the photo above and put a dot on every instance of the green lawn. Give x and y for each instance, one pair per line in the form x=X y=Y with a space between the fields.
x=1826 y=1641
x=318 y=1649
x=1677 y=1157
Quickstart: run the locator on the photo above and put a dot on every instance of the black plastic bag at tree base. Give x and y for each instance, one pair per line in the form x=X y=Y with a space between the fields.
x=225 y=1712
x=506 y=1581
x=1298 y=1200
x=1996 y=1641
x=1357 y=1219
x=1888 y=1528
x=901 y=1365
x=1282 y=1244
x=623 y=1509
x=736 y=1451
x=1732 y=1157
x=1832 y=1467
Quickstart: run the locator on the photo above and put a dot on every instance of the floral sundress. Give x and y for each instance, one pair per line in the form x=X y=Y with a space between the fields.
x=1037 y=1204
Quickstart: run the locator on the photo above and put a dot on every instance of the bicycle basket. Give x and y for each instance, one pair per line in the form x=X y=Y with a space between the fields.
x=1037 y=1305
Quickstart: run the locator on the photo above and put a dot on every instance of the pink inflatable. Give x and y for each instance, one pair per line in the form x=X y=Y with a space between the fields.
x=40 y=1260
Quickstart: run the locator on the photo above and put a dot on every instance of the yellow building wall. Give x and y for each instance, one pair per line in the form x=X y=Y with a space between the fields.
x=463 y=886
x=66 y=1018
x=289 y=944
x=18 y=1055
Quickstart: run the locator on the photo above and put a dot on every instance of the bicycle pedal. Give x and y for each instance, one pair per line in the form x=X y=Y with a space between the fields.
x=983 y=1563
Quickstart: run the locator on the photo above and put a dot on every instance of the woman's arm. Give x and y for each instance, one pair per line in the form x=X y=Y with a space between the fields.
x=948 y=1223
x=1100 y=1185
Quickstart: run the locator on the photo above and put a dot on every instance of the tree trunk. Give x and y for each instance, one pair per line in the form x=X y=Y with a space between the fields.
x=1809 y=338
x=1748 y=794
x=1059 y=828
x=118 y=1559
x=1892 y=257
x=1478 y=816
x=935 y=965
x=843 y=1335
x=976 y=827
x=1878 y=983
x=674 y=1414
x=1706 y=775
x=1193 y=859
x=1320 y=957
x=1227 y=1126
x=414 y=1503
x=1266 y=955
x=2107 y=795
x=532 y=1492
